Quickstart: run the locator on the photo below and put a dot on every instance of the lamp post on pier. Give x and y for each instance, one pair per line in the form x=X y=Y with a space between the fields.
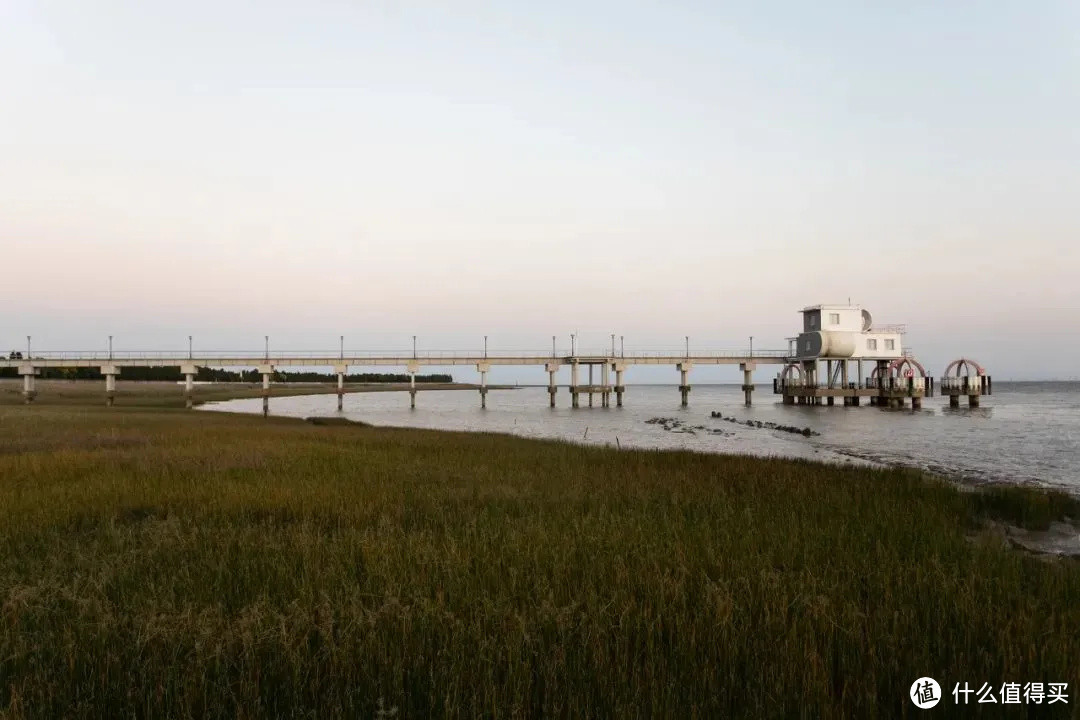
x=751 y=346
x=188 y=347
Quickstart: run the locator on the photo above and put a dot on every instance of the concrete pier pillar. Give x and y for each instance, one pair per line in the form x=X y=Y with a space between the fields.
x=684 y=382
x=341 y=370
x=748 y=382
x=605 y=381
x=29 y=392
x=590 y=385
x=483 y=368
x=916 y=403
x=188 y=372
x=573 y=384
x=619 y=387
x=954 y=401
x=551 y=370
x=412 y=368
x=110 y=372
x=266 y=393
x=831 y=400
x=973 y=401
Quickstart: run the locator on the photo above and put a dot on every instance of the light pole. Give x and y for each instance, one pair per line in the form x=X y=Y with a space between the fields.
x=622 y=348
x=751 y=346
x=266 y=347
x=110 y=347
x=552 y=347
x=27 y=347
x=687 y=346
x=188 y=347
x=485 y=347
x=572 y=352
x=414 y=347
x=613 y=344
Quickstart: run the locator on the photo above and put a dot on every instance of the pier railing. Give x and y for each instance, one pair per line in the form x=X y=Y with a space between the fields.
x=105 y=355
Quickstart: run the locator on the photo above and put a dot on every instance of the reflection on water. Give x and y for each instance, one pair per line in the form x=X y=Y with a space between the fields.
x=1025 y=432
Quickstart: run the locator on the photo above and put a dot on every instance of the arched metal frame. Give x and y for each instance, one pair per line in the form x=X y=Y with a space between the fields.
x=786 y=374
x=896 y=367
x=965 y=364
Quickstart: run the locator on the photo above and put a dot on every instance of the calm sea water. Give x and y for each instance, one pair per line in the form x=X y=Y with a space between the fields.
x=1024 y=433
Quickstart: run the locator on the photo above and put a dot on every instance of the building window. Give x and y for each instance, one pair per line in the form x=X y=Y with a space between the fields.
x=834 y=318
x=871 y=344
x=890 y=345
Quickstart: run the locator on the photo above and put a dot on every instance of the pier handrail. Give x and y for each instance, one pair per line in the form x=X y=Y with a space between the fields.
x=127 y=355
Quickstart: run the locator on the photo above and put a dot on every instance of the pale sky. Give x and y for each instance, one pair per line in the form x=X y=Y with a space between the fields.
x=308 y=169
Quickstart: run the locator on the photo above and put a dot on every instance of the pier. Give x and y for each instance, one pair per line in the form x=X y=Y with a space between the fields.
x=842 y=338
x=590 y=375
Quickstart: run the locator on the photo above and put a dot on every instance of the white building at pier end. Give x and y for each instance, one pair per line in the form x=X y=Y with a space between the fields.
x=845 y=331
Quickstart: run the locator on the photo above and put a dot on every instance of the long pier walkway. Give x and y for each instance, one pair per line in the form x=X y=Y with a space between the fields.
x=110 y=365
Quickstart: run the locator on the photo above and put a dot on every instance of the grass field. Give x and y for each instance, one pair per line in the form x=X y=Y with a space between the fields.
x=171 y=395
x=156 y=562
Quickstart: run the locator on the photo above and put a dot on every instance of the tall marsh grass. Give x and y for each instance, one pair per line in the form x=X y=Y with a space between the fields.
x=162 y=563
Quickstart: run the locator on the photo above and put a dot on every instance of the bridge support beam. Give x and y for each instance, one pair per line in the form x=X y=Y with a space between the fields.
x=551 y=368
x=619 y=387
x=483 y=369
x=574 y=384
x=29 y=392
x=189 y=385
x=748 y=382
x=605 y=382
x=684 y=382
x=413 y=368
x=110 y=372
x=341 y=370
x=266 y=371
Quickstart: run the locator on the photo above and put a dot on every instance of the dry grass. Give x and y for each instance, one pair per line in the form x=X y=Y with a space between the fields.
x=171 y=395
x=164 y=563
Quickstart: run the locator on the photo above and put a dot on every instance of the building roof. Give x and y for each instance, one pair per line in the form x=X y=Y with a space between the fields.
x=811 y=308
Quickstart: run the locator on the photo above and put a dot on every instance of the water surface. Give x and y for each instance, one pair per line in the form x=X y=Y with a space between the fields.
x=1024 y=433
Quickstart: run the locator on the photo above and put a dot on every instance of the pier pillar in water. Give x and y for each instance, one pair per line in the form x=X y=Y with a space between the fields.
x=605 y=381
x=110 y=372
x=684 y=381
x=29 y=393
x=748 y=381
x=590 y=385
x=551 y=370
x=844 y=380
x=973 y=401
x=954 y=401
x=916 y=403
x=413 y=368
x=483 y=368
x=266 y=371
x=573 y=384
x=189 y=385
x=341 y=370
x=619 y=387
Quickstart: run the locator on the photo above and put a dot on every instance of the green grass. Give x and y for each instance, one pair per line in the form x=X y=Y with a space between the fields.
x=168 y=563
